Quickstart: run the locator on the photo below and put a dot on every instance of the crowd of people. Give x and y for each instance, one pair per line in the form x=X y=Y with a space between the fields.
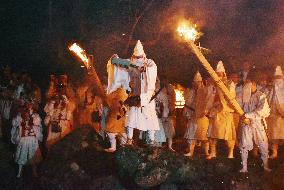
x=140 y=100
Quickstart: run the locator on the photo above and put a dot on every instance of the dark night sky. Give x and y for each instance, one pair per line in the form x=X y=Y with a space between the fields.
x=35 y=34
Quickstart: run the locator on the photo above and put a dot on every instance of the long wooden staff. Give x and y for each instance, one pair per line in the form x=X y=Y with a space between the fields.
x=215 y=77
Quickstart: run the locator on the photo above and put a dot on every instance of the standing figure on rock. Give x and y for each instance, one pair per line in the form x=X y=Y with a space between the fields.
x=141 y=80
x=276 y=118
x=198 y=124
x=221 y=125
x=115 y=121
x=26 y=133
x=252 y=132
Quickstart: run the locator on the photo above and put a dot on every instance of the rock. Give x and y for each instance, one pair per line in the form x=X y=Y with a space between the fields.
x=168 y=187
x=75 y=162
x=152 y=178
x=106 y=183
x=84 y=144
x=74 y=166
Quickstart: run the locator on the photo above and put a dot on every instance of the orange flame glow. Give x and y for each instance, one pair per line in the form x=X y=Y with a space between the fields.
x=180 y=101
x=188 y=32
x=80 y=53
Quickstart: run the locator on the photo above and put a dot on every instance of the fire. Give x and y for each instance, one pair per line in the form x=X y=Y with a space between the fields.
x=188 y=32
x=80 y=53
x=180 y=101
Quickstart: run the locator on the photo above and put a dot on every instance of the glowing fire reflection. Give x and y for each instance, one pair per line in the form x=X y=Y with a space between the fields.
x=80 y=53
x=179 y=98
x=188 y=32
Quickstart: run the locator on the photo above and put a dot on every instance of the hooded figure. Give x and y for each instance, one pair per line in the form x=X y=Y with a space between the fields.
x=221 y=115
x=197 y=126
x=140 y=81
x=276 y=118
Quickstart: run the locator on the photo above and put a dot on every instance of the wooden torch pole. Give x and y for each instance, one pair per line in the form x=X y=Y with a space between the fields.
x=215 y=77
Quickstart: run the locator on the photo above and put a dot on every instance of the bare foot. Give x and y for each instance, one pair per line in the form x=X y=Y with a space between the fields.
x=188 y=154
x=110 y=150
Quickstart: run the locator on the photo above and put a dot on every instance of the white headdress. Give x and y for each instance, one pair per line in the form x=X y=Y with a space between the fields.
x=197 y=77
x=278 y=71
x=138 y=49
x=220 y=67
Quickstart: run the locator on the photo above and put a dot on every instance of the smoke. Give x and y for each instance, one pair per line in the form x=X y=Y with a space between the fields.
x=238 y=30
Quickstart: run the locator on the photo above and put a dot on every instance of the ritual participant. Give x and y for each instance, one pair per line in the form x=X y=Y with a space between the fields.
x=256 y=108
x=245 y=69
x=276 y=118
x=116 y=118
x=222 y=126
x=59 y=115
x=141 y=80
x=91 y=111
x=26 y=133
x=6 y=102
x=166 y=98
x=160 y=136
x=197 y=127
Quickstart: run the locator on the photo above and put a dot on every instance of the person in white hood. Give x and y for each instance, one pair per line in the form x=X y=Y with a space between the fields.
x=222 y=125
x=198 y=123
x=276 y=118
x=142 y=115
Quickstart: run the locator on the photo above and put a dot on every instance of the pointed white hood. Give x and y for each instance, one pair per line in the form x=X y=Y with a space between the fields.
x=197 y=77
x=138 y=49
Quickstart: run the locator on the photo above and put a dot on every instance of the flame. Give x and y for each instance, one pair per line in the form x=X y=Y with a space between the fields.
x=188 y=32
x=180 y=101
x=80 y=53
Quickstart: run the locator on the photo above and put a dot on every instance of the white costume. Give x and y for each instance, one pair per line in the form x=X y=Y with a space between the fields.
x=27 y=138
x=276 y=119
x=256 y=109
x=221 y=115
x=197 y=126
x=143 y=117
x=61 y=114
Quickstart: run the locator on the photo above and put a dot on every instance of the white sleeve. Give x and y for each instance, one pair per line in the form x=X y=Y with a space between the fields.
x=117 y=77
x=262 y=110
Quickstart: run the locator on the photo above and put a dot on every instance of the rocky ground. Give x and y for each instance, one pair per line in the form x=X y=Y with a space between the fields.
x=78 y=162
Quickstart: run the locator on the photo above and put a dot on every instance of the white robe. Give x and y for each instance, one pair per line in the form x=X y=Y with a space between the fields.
x=26 y=146
x=61 y=115
x=143 y=118
x=276 y=118
x=256 y=109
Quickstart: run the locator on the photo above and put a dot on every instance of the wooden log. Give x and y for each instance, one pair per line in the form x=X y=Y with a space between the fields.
x=232 y=100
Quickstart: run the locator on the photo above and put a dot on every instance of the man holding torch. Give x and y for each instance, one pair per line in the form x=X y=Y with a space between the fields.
x=221 y=116
x=138 y=75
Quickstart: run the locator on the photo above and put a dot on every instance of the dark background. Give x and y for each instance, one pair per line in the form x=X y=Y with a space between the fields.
x=35 y=34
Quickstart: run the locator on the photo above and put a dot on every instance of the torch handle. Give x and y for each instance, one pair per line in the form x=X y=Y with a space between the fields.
x=216 y=78
x=98 y=85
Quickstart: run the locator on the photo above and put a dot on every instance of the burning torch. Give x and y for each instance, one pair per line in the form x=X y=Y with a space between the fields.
x=190 y=35
x=88 y=61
